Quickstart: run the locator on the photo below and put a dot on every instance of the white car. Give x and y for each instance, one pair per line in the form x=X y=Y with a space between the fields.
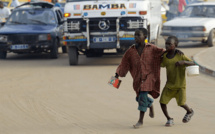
x=196 y=24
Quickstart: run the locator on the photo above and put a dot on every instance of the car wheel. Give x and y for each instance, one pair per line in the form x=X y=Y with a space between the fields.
x=54 y=50
x=73 y=55
x=211 y=38
x=64 y=49
x=3 y=54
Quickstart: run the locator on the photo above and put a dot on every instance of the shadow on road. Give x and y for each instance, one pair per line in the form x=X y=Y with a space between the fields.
x=105 y=60
x=62 y=60
x=28 y=57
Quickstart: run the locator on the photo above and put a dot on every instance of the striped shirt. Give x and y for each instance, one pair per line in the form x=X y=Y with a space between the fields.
x=144 y=69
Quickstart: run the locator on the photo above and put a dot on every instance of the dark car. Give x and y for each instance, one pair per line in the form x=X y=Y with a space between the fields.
x=33 y=27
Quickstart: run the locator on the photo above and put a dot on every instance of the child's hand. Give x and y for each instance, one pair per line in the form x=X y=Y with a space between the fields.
x=179 y=63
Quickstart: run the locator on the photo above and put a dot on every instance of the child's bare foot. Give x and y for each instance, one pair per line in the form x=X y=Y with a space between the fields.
x=151 y=111
x=138 y=125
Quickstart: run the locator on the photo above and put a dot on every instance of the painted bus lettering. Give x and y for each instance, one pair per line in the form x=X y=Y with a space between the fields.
x=108 y=6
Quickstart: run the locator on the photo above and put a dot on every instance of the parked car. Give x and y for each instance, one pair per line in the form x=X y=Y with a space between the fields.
x=33 y=27
x=196 y=24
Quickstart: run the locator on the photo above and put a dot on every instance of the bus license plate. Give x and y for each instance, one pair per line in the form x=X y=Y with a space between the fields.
x=104 y=39
x=19 y=47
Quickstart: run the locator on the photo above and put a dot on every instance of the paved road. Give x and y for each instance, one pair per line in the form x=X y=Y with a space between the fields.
x=39 y=95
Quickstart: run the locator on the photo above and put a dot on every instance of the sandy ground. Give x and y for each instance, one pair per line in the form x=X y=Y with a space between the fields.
x=43 y=96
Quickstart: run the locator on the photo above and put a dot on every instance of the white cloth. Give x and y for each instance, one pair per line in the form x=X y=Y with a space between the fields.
x=4 y=13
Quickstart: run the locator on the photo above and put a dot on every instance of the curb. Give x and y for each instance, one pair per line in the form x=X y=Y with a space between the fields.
x=203 y=68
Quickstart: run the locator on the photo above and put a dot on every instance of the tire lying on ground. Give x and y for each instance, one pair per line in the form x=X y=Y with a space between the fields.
x=73 y=55
x=54 y=50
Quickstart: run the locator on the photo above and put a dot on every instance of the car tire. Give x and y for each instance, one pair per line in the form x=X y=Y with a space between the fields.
x=64 y=49
x=211 y=38
x=54 y=50
x=73 y=55
x=3 y=54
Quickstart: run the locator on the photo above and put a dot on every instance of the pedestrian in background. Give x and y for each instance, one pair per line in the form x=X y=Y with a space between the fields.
x=173 y=12
x=181 y=6
x=15 y=3
x=55 y=2
x=176 y=83
x=4 y=12
x=143 y=61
